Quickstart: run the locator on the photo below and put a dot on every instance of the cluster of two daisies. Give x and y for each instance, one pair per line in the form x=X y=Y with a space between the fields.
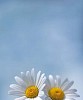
x=32 y=86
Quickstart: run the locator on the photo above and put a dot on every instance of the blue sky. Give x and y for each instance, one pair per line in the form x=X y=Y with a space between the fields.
x=43 y=34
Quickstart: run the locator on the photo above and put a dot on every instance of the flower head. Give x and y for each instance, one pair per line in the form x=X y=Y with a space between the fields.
x=29 y=86
x=57 y=90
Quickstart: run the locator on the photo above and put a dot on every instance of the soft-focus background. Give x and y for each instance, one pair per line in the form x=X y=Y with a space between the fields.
x=44 y=34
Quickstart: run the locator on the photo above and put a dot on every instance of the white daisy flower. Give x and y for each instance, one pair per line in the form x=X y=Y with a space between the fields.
x=57 y=90
x=29 y=86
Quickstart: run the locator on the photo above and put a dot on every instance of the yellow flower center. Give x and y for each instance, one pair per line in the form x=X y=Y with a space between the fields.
x=56 y=94
x=32 y=92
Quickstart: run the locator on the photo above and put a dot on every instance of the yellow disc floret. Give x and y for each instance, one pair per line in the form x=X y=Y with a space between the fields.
x=56 y=94
x=32 y=92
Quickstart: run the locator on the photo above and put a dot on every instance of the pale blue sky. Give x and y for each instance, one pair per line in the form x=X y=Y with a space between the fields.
x=44 y=34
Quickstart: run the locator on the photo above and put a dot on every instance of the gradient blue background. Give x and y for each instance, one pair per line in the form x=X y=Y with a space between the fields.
x=44 y=34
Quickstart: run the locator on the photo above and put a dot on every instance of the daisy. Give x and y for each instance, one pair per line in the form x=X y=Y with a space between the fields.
x=29 y=86
x=57 y=90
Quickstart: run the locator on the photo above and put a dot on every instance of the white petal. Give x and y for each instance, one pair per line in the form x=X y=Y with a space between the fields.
x=70 y=91
x=42 y=82
x=69 y=99
x=37 y=98
x=33 y=75
x=72 y=95
x=41 y=93
x=42 y=87
x=21 y=98
x=58 y=81
x=68 y=86
x=55 y=83
x=64 y=82
x=28 y=99
x=65 y=85
x=51 y=80
x=24 y=78
x=17 y=93
x=17 y=87
x=20 y=81
x=27 y=75
x=38 y=76
x=29 y=78
x=41 y=77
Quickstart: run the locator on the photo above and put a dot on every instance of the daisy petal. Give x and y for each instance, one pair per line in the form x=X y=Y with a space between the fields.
x=55 y=83
x=33 y=75
x=38 y=76
x=20 y=81
x=41 y=93
x=42 y=82
x=64 y=82
x=58 y=80
x=17 y=87
x=41 y=77
x=51 y=80
x=28 y=99
x=37 y=98
x=21 y=98
x=17 y=93
x=68 y=86
x=42 y=87
x=24 y=78
x=29 y=78
x=65 y=85
x=70 y=91
x=72 y=95
x=69 y=99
